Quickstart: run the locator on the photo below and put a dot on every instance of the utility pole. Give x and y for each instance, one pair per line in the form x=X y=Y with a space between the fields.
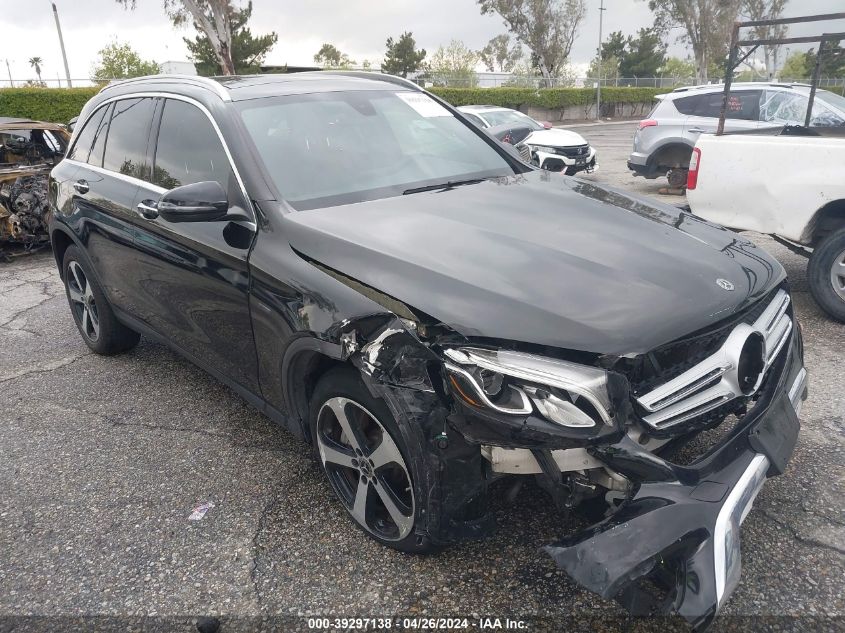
x=598 y=83
x=9 y=70
x=62 y=44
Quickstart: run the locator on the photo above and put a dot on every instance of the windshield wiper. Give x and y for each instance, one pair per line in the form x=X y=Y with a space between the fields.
x=443 y=185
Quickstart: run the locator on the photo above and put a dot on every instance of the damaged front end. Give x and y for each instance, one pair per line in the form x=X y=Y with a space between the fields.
x=673 y=545
x=28 y=151
x=597 y=427
x=670 y=542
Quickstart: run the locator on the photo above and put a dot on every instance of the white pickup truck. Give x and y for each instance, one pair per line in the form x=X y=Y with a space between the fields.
x=788 y=183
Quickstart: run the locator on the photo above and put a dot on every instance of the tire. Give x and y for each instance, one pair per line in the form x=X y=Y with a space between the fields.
x=826 y=274
x=94 y=318
x=383 y=477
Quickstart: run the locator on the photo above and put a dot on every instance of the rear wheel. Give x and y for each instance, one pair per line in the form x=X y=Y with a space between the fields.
x=94 y=318
x=826 y=274
x=363 y=455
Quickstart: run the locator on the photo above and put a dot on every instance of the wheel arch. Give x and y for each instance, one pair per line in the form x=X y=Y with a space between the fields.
x=306 y=360
x=675 y=153
x=826 y=220
x=61 y=239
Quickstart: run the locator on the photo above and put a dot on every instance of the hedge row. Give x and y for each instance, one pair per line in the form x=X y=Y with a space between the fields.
x=62 y=104
x=550 y=98
x=58 y=105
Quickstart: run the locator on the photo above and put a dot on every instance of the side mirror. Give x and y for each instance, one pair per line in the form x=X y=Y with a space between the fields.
x=546 y=125
x=199 y=202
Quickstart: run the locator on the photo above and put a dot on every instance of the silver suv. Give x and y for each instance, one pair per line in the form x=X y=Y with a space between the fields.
x=664 y=140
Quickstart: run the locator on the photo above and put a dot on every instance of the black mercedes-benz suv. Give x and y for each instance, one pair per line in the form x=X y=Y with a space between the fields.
x=431 y=314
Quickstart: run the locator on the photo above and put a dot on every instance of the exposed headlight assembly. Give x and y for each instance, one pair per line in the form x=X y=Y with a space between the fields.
x=544 y=148
x=516 y=383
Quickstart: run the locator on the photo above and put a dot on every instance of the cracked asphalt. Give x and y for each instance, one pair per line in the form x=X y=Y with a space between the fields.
x=103 y=459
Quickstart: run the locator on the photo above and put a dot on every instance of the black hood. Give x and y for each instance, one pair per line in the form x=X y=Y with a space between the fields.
x=545 y=259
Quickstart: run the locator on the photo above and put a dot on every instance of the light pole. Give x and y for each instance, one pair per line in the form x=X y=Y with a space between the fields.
x=9 y=70
x=598 y=83
x=62 y=44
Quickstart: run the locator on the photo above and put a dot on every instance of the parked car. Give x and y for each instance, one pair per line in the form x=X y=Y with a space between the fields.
x=432 y=314
x=552 y=149
x=789 y=183
x=664 y=140
x=514 y=136
x=28 y=151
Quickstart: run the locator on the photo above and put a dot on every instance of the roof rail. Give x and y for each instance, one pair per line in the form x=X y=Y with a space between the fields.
x=204 y=82
x=366 y=74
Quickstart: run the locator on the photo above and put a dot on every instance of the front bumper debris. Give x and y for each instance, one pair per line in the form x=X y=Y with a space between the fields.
x=682 y=522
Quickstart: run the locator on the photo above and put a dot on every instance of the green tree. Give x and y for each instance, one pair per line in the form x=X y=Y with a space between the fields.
x=546 y=27
x=613 y=46
x=402 y=56
x=211 y=17
x=501 y=54
x=36 y=62
x=832 y=61
x=330 y=57
x=248 y=51
x=679 y=69
x=120 y=61
x=644 y=55
x=609 y=67
x=706 y=23
x=454 y=65
x=766 y=10
x=795 y=66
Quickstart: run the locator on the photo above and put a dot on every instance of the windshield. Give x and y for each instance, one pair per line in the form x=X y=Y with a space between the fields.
x=333 y=148
x=831 y=98
x=511 y=117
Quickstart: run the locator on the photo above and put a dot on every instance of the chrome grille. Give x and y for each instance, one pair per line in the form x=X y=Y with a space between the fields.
x=716 y=380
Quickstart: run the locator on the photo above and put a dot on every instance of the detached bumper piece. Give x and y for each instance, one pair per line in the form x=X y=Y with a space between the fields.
x=679 y=531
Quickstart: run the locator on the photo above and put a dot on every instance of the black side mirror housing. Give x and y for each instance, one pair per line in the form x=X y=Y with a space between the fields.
x=197 y=202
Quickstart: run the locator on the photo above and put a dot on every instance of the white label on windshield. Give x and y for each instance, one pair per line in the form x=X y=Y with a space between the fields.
x=423 y=104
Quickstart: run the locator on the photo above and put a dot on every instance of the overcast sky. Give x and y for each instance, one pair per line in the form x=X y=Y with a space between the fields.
x=358 y=27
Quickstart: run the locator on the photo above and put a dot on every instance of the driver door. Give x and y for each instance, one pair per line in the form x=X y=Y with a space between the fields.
x=192 y=277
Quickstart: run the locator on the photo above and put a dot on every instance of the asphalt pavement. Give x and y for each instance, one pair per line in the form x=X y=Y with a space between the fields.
x=103 y=460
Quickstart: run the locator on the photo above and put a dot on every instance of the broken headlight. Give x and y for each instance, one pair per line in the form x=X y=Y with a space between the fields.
x=515 y=383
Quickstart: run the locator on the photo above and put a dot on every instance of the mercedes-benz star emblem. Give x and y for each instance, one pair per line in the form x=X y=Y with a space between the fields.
x=724 y=284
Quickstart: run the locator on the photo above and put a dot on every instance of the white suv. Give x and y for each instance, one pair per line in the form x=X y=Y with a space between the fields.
x=664 y=140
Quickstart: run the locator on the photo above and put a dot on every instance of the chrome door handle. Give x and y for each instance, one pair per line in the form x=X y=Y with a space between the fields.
x=147 y=209
x=81 y=186
x=696 y=130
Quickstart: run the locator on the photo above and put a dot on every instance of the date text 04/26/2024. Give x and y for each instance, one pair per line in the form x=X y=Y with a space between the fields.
x=414 y=623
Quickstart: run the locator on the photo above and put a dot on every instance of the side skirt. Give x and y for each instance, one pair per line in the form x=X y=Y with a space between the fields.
x=250 y=396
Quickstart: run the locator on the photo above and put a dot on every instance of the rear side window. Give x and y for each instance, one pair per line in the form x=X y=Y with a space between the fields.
x=188 y=149
x=99 y=146
x=743 y=105
x=126 y=145
x=87 y=136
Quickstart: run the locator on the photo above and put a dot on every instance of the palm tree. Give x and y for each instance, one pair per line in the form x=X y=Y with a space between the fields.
x=36 y=62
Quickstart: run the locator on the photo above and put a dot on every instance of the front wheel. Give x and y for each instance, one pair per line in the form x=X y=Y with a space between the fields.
x=362 y=453
x=826 y=274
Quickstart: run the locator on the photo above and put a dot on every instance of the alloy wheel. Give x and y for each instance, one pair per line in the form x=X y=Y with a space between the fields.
x=82 y=301
x=366 y=468
x=837 y=275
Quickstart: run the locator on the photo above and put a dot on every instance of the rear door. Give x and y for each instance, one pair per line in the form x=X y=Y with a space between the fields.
x=110 y=155
x=742 y=112
x=192 y=278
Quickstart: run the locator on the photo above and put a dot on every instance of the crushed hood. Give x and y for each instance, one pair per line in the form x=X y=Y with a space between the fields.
x=542 y=258
x=556 y=137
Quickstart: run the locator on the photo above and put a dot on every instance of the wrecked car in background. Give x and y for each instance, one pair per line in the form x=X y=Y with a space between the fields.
x=28 y=151
x=432 y=314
